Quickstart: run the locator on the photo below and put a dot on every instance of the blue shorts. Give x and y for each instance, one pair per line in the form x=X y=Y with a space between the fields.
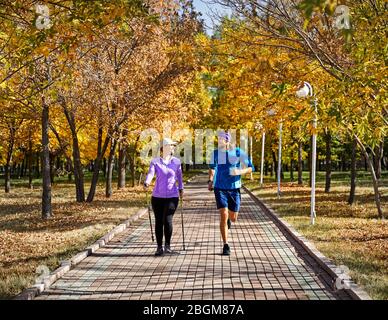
x=228 y=199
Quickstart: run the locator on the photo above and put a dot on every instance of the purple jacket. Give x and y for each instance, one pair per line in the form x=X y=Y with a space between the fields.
x=167 y=175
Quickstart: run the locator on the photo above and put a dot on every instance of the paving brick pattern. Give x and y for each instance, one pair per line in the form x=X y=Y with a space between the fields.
x=265 y=262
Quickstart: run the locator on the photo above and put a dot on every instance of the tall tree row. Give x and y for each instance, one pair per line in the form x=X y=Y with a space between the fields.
x=266 y=49
x=85 y=75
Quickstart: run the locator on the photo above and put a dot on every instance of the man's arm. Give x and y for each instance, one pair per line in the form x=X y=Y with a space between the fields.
x=210 y=181
x=246 y=165
x=240 y=172
x=245 y=170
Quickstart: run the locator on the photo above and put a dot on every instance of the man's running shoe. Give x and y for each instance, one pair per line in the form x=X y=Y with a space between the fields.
x=226 y=250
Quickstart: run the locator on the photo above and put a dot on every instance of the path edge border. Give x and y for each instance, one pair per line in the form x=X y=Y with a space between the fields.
x=66 y=265
x=354 y=290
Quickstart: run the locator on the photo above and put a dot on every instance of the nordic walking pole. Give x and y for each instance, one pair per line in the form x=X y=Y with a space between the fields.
x=183 y=228
x=149 y=216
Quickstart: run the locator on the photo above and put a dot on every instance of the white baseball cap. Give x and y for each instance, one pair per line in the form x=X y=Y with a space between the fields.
x=167 y=141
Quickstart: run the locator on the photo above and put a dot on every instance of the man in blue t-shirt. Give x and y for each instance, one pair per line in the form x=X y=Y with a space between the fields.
x=226 y=167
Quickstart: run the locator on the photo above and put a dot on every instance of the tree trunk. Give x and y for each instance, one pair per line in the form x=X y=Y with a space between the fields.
x=122 y=165
x=274 y=164
x=133 y=169
x=9 y=156
x=78 y=171
x=46 y=184
x=374 y=178
x=353 y=173
x=100 y=154
x=300 y=163
x=52 y=168
x=69 y=169
x=310 y=160
x=7 y=176
x=110 y=164
x=77 y=164
x=104 y=167
x=328 y=161
x=30 y=162
x=24 y=174
x=292 y=168
x=22 y=167
x=377 y=159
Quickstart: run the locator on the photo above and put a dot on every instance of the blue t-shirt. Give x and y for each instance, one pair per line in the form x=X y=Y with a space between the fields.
x=222 y=162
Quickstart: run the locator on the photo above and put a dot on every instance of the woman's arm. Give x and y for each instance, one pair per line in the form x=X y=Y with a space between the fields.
x=150 y=174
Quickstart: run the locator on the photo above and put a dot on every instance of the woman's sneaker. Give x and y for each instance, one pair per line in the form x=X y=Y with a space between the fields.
x=167 y=249
x=226 y=250
x=159 y=251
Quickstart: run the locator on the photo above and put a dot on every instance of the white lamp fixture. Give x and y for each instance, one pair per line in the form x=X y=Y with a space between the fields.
x=272 y=112
x=305 y=91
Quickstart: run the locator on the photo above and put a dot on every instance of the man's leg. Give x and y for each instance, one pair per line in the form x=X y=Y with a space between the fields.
x=234 y=201
x=233 y=215
x=223 y=224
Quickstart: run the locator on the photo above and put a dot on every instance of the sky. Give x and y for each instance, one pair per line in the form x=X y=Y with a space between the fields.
x=208 y=8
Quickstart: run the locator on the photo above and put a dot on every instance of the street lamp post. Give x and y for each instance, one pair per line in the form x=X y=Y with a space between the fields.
x=251 y=153
x=259 y=126
x=304 y=92
x=262 y=158
x=280 y=156
x=272 y=112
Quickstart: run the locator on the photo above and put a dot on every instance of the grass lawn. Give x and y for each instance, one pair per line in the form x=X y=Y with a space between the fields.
x=27 y=241
x=349 y=235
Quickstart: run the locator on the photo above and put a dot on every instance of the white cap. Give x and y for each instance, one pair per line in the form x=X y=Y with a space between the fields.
x=167 y=141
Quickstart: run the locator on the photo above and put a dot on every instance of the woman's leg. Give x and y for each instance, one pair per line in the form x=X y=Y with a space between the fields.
x=158 y=208
x=169 y=209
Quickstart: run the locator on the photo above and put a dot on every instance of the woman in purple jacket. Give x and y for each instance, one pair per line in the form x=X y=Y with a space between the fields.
x=165 y=196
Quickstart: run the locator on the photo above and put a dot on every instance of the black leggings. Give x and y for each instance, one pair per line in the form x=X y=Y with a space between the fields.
x=164 y=209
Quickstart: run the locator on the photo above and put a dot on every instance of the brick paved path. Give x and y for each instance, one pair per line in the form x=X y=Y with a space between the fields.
x=265 y=263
